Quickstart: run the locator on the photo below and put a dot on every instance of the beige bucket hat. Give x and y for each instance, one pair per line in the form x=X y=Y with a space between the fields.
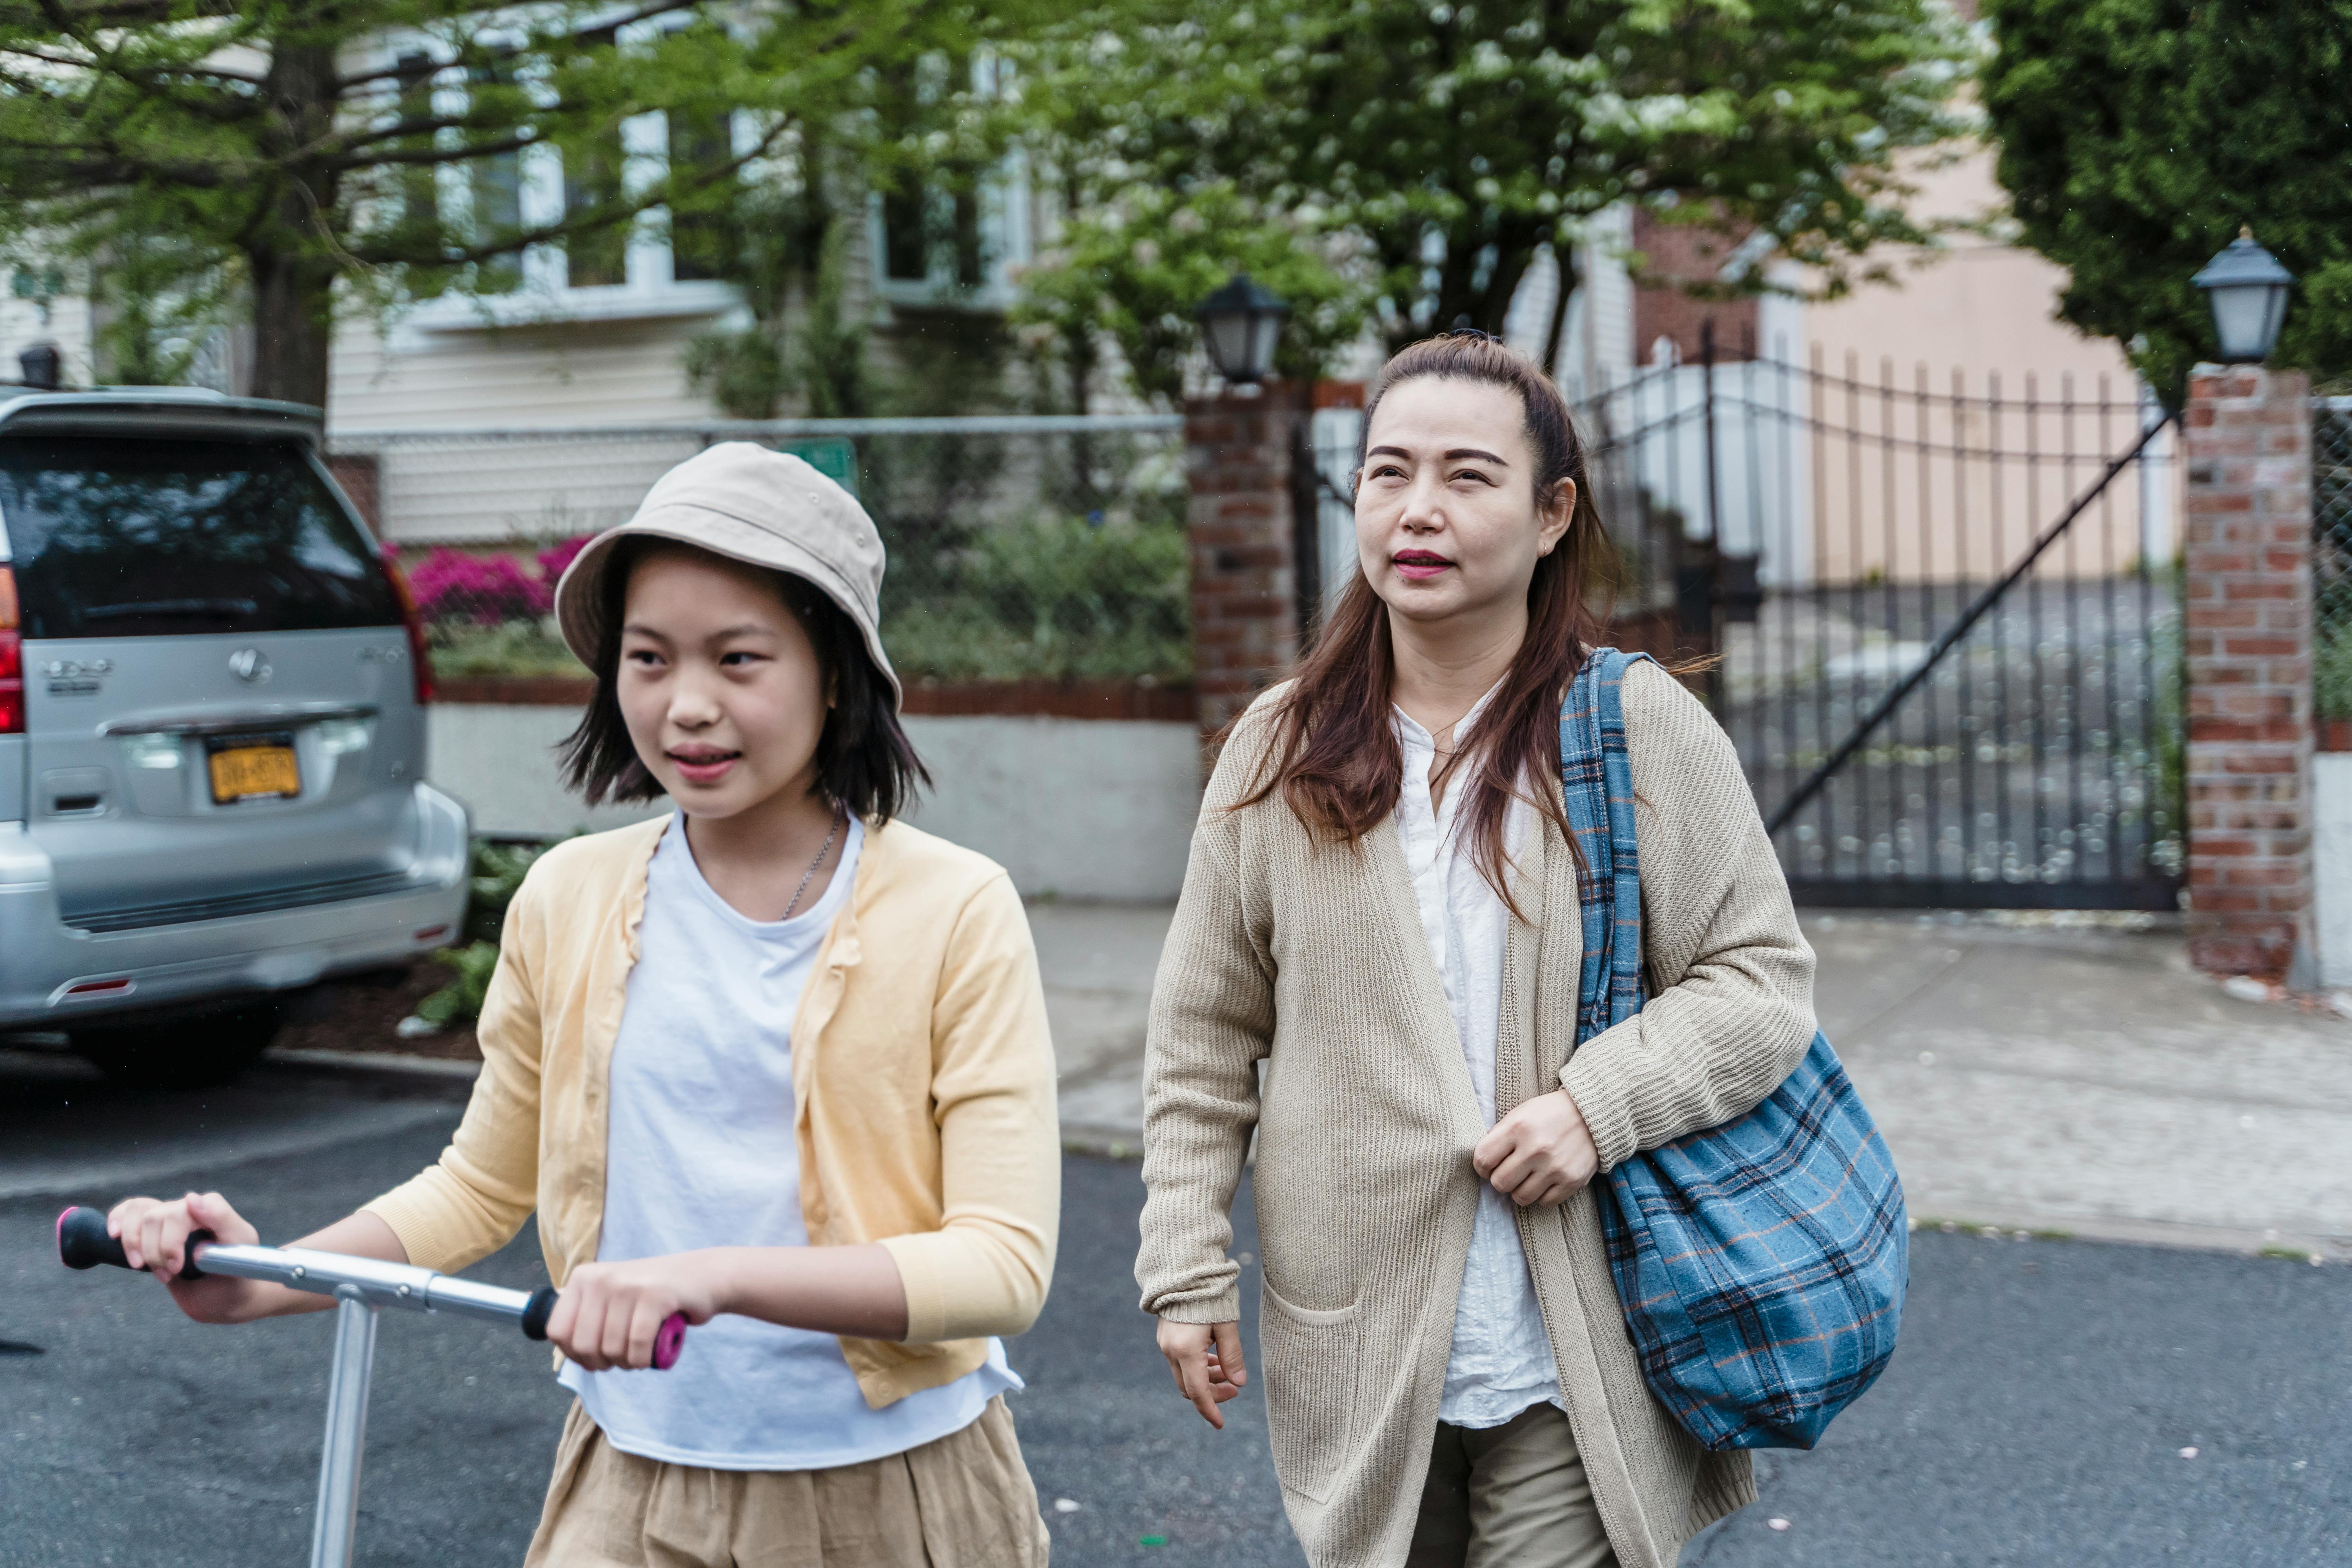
x=749 y=504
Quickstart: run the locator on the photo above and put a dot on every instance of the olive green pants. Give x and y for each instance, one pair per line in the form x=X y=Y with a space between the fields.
x=1512 y=1495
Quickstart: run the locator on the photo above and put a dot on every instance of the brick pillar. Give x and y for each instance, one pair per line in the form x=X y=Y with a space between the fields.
x=361 y=476
x=2247 y=555
x=1237 y=458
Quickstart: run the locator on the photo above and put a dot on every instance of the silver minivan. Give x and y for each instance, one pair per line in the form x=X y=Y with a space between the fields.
x=212 y=732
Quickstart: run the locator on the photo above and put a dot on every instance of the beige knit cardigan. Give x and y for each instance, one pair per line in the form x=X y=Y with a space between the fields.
x=1308 y=958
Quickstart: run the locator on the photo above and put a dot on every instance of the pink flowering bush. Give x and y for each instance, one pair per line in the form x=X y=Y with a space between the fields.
x=554 y=560
x=486 y=614
x=453 y=586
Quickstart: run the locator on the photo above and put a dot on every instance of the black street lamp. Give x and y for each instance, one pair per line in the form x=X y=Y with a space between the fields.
x=1240 y=323
x=2247 y=289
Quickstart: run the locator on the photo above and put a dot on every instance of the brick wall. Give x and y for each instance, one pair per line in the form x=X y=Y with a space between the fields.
x=2247 y=555
x=1237 y=453
x=1660 y=309
x=362 y=477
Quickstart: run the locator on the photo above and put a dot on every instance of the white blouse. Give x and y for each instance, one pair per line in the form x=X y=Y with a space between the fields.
x=1501 y=1362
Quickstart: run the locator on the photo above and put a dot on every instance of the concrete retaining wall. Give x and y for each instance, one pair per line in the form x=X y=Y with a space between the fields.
x=2331 y=789
x=1083 y=808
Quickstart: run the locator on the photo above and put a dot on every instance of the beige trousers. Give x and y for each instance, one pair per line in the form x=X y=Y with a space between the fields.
x=965 y=1502
x=1512 y=1495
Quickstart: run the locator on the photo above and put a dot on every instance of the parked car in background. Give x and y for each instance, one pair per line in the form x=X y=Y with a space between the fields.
x=212 y=732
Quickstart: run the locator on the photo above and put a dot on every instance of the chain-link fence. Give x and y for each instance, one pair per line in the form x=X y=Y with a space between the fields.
x=1020 y=548
x=2331 y=522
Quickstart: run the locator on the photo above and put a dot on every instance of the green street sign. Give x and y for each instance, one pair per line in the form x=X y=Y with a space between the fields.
x=835 y=457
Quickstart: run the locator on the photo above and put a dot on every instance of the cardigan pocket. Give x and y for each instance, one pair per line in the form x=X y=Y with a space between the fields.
x=1309 y=1364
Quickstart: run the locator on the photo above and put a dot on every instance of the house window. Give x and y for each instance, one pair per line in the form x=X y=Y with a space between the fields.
x=698 y=238
x=420 y=184
x=954 y=241
x=599 y=258
x=934 y=237
x=498 y=204
x=497 y=215
x=906 y=247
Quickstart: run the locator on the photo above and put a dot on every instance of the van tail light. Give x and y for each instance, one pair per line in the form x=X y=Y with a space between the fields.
x=409 y=617
x=12 y=658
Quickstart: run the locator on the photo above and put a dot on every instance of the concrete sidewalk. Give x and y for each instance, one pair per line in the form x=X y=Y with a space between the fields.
x=2034 y=1073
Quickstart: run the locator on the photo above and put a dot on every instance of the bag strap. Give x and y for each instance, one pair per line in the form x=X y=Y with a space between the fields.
x=1596 y=780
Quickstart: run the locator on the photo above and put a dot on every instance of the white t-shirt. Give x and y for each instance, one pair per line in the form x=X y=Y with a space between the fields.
x=1501 y=1362
x=700 y=1153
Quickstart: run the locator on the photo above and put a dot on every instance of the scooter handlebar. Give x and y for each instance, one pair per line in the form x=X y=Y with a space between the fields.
x=83 y=1243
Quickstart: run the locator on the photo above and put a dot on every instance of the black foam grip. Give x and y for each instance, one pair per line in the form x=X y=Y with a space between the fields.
x=82 y=1243
x=537 y=1311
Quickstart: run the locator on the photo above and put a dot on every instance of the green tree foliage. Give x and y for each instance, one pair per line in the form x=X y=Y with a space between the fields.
x=1136 y=266
x=789 y=252
x=2137 y=136
x=289 y=152
x=923 y=131
x=1430 y=151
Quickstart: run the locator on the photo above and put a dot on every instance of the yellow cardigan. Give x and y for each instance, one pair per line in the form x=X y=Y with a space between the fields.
x=922 y=1073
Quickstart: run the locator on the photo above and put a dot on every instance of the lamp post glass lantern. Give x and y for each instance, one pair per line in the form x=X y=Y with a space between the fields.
x=2247 y=289
x=1240 y=324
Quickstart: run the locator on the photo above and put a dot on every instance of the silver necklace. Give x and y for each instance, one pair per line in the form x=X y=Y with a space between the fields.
x=821 y=854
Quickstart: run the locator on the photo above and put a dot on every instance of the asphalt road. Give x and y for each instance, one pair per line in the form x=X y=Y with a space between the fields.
x=2037 y=1413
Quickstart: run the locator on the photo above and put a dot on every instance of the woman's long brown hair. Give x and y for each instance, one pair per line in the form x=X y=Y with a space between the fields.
x=1335 y=757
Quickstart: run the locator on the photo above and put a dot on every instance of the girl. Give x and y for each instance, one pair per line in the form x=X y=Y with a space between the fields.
x=775 y=1061
x=1381 y=909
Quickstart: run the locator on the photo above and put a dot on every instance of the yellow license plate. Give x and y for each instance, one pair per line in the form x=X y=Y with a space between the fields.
x=250 y=772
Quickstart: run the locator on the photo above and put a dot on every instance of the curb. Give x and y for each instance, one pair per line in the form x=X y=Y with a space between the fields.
x=392 y=1063
x=1108 y=1142
x=2008 y=1225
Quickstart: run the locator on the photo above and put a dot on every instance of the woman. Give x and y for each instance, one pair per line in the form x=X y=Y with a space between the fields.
x=775 y=1061
x=1380 y=911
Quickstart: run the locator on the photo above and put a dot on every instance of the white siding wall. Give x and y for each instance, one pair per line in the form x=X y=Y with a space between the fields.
x=2331 y=781
x=69 y=327
x=553 y=377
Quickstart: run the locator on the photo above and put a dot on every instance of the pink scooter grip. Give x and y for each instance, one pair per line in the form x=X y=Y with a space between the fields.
x=669 y=1340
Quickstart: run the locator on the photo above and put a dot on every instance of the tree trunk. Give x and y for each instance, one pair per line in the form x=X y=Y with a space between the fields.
x=1564 y=263
x=291 y=251
x=1493 y=307
x=293 y=323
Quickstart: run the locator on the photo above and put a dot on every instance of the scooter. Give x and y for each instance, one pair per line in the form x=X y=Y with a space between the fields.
x=361 y=1287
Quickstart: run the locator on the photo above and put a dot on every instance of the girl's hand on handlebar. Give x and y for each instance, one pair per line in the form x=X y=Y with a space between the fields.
x=154 y=1236
x=608 y=1313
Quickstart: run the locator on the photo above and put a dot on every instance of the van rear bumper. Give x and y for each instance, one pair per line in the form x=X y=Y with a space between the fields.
x=56 y=976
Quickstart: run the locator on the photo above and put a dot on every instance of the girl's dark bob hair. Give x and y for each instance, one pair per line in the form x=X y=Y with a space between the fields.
x=863 y=760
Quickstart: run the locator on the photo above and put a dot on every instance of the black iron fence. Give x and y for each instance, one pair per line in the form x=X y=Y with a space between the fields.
x=1945 y=617
x=2331 y=521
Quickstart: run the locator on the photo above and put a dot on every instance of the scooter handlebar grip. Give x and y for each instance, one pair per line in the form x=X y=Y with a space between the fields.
x=669 y=1339
x=537 y=1311
x=82 y=1243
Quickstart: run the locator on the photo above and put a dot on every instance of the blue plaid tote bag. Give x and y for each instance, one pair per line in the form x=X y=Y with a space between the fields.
x=1760 y=1264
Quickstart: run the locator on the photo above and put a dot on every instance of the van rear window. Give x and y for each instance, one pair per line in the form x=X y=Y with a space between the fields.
x=131 y=536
